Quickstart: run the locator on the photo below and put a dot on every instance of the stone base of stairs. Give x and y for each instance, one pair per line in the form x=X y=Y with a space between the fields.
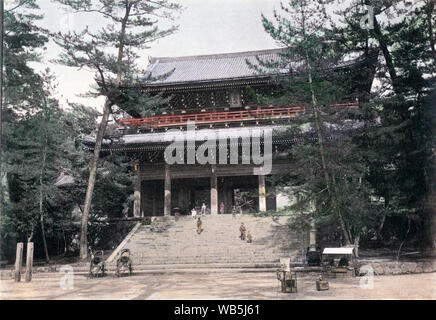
x=167 y=244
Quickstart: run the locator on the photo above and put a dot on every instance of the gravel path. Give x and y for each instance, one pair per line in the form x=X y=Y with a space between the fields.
x=216 y=285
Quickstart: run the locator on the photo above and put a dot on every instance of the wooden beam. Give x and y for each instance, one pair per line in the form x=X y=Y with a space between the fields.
x=213 y=192
x=157 y=172
x=262 y=193
x=137 y=192
x=167 y=194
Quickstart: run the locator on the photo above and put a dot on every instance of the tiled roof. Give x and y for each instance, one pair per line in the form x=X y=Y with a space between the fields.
x=279 y=133
x=177 y=135
x=207 y=68
x=167 y=71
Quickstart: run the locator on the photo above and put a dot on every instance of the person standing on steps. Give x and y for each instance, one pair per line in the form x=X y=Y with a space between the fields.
x=176 y=214
x=203 y=209
x=199 y=226
x=222 y=208
x=242 y=230
x=249 y=237
x=194 y=213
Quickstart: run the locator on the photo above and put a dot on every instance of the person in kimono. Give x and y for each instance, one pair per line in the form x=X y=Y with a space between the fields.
x=203 y=209
x=222 y=208
x=243 y=231
x=199 y=226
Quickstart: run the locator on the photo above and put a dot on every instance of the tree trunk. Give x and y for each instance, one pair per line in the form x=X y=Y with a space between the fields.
x=47 y=258
x=386 y=54
x=405 y=238
x=91 y=181
x=383 y=220
x=98 y=141
x=356 y=246
x=380 y=227
x=322 y=153
x=65 y=240
x=41 y=209
x=1 y=118
x=4 y=200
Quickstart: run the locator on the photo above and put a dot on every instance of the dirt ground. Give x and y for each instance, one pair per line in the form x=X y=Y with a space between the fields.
x=215 y=285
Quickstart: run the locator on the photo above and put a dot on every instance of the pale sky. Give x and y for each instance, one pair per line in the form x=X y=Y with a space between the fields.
x=205 y=27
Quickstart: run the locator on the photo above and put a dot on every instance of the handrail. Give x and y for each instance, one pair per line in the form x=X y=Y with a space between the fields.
x=289 y=111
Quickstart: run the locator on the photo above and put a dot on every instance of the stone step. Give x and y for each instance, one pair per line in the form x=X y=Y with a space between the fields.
x=170 y=259
x=172 y=243
x=151 y=252
x=186 y=266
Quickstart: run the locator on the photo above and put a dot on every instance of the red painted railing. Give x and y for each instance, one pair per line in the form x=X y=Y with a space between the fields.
x=271 y=112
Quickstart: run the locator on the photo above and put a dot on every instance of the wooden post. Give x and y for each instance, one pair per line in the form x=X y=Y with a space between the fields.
x=29 y=261
x=213 y=192
x=226 y=198
x=167 y=195
x=262 y=193
x=137 y=193
x=18 y=262
x=137 y=197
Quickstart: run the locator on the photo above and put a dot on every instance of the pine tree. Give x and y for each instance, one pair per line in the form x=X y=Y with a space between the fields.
x=399 y=167
x=33 y=149
x=329 y=168
x=131 y=26
x=114 y=181
x=398 y=149
x=22 y=40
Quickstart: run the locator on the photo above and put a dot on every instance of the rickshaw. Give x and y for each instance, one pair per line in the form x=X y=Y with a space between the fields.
x=337 y=262
x=97 y=266
x=124 y=263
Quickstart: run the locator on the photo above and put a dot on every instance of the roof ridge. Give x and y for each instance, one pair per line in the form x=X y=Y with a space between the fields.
x=216 y=55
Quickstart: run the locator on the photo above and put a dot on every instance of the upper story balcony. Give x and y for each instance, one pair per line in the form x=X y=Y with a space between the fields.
x=271 y=113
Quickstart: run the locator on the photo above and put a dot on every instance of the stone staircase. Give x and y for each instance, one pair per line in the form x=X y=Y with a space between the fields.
x=170 y=244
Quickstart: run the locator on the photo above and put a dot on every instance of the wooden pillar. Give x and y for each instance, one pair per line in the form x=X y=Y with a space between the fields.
x=153 y=199
x=183 y=198
x=228 y=196
x=225 y=197
x=213 y=192
x=18 y=262
x=262 y=193
x=137 y=199
x=167 y=192
x=29 y=261
x=137 y=193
